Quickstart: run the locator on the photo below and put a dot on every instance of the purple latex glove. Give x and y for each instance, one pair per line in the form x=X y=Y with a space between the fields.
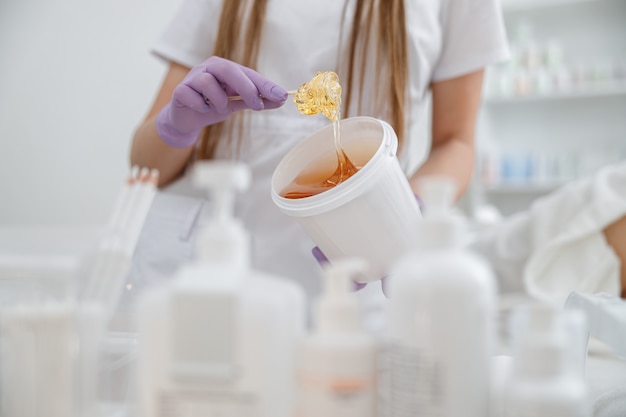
x=323 y=260
x=201 y=99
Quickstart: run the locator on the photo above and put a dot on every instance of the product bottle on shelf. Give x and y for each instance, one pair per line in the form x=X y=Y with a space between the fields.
x=220 y=338
x=337 y=362
x=441 y=319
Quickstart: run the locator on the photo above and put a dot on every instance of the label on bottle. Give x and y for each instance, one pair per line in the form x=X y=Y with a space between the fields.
x=207 y=403
x=347 y=397
x=411 y=382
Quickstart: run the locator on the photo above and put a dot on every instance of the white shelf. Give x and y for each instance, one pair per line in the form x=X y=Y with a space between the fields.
x=609 y=91
x=560 y=133
x=522 y=187
x=523 y=5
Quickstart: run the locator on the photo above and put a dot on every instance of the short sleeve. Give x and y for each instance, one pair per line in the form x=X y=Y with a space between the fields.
x=190 y=35
x=473 y=37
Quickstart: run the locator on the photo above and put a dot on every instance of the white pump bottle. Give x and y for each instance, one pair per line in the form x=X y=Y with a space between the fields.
x=337 y=362
x=545 y=381
x=440 y=330
x=220 y=338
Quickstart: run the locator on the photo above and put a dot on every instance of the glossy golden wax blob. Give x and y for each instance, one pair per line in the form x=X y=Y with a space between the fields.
x=322 y=94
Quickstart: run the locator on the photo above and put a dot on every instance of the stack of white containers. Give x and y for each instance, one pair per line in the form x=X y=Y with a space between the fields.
x=221 y=339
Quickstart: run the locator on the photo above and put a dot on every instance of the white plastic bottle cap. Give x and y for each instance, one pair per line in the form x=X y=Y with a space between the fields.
x=223 y=240
x=338 y=309
x=440 y=227
x=437 y=193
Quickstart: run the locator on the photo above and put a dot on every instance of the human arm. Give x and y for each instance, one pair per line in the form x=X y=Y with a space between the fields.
x=188 y=101
x=455 y=104
x=615 y=235
x=147 y=148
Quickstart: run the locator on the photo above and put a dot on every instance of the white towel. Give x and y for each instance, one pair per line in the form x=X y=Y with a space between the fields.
x=606 y=383
x=557 y=245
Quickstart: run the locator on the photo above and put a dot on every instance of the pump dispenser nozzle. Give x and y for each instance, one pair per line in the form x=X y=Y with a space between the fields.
x=338 y=309
x=437 y=193
x=224 y=240
x=540 y=340
x=440 y=226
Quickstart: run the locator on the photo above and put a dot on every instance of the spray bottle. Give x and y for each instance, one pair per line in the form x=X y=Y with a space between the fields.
x=440 y=330
x=220 y=338
x=337 y=362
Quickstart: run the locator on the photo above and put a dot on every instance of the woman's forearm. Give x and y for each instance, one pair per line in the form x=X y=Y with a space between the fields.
x=148 y=150
x=455 y=105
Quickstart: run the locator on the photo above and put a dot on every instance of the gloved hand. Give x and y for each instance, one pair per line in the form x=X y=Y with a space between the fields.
x=323 y=260
x=201 y=99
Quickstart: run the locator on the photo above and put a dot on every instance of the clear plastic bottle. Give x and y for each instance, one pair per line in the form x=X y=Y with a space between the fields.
x=440 y=321
x=220 y=338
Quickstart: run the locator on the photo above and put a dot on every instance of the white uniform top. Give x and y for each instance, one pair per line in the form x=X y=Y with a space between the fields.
x=446 y=38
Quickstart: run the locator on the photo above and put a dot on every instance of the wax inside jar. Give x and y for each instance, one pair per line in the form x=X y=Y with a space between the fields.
x=321 y=174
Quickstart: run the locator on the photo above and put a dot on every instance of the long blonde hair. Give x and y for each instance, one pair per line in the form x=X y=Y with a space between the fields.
x=392 y=69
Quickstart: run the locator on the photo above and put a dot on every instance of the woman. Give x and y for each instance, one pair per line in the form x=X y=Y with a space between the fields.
x=390 y=56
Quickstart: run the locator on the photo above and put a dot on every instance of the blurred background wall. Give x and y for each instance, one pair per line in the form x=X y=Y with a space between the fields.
x=76 y=77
